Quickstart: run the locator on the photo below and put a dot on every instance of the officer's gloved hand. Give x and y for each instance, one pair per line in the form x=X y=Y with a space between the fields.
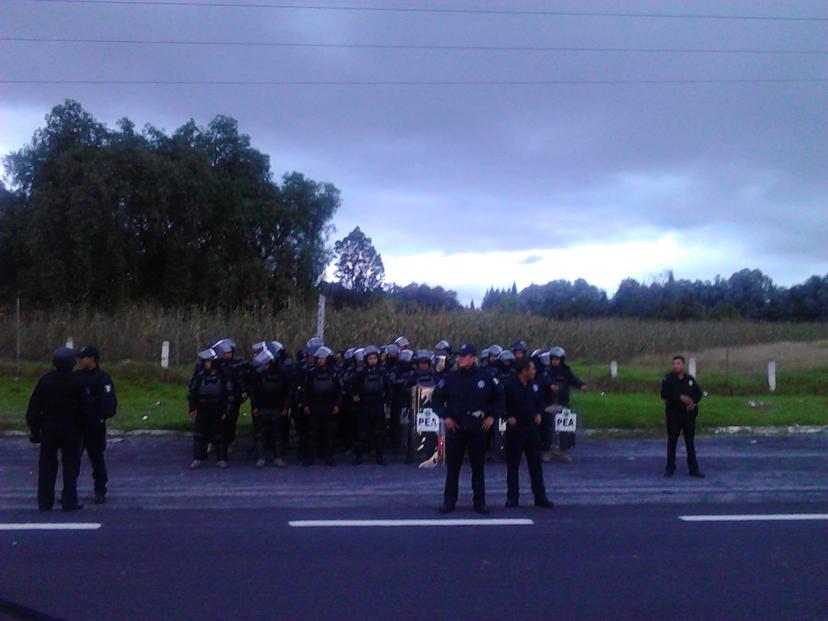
x=34 y=437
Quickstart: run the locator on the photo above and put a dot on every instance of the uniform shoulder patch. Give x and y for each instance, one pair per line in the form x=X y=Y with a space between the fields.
x=535 y=387
x=495 y=381
x=107 y=387
x=441 y=383
x=481 y=384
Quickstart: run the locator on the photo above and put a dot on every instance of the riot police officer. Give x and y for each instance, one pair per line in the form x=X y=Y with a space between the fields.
x=370 y=391
x=270 y=399
x=524 y=405
x=400 y=396
x=58 y=411
x=503 y=370
x=681 y=394
x=469 y=401
x=104 y=405
x=520 y=349
x=211 y=399
x=443 y=361
x=237 y=370
x=493 y=352
x=423 y=374
x=560 y=378
x=322 y=398
x=402 y=342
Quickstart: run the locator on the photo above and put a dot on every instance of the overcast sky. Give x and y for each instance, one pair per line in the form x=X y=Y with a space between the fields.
x=471 y=186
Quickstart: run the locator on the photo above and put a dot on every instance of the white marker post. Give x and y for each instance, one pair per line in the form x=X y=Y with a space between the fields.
x=165 y=355
x=320 y=318
x=772 y=375
x=691 y=364
x=70 y=343
x=613 y=369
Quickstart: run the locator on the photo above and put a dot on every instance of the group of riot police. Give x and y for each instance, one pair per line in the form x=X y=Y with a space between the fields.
x=354 y=400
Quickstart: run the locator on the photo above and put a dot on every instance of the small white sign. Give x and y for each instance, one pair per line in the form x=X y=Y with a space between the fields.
x=501 y=425
x=566 y=420
x=428 y=421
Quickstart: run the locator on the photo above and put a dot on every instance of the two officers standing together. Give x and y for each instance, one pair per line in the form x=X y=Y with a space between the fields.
x=470 y=400
x=66 y=415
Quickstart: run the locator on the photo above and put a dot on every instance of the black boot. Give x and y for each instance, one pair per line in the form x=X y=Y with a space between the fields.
x=446 y=507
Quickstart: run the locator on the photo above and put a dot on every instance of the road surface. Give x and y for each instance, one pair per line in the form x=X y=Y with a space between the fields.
x=362 y=543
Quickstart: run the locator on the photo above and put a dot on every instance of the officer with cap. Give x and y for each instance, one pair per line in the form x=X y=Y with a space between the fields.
x=104 y=405
x=58 y=411
x=524 y=405
x=469 y=400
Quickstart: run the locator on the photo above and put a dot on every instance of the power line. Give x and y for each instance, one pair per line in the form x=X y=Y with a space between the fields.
x=609 y=82
x=441 y=10
x=400 y=46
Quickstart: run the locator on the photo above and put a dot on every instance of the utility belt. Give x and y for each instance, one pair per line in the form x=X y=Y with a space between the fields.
x=471 y=421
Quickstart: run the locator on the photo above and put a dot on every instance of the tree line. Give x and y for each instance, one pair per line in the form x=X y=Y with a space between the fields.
x=103 y=218
x=747 y=294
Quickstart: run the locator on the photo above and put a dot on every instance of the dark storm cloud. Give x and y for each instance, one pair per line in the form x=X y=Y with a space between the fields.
x=505 y=167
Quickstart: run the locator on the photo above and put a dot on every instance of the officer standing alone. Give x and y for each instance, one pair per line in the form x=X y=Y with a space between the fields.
x=104 y=405
x=469 y=400
x=681 y=394
x=59 y=409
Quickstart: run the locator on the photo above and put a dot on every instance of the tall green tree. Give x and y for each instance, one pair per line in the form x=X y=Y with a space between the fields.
x=358 y=264
x=112 y=216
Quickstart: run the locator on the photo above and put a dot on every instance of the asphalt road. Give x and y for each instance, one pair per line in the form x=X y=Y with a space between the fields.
x=174 y=544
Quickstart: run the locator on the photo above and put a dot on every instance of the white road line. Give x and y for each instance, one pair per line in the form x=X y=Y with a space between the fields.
x=755 y=517
x=52 y=526
x=410 y=522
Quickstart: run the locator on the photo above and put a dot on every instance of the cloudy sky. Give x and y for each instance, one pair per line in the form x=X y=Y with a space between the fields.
x=468 y=186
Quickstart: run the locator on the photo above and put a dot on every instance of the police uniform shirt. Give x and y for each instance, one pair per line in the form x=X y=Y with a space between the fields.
x=674 y=387
x=463 y=392
x=523 y=402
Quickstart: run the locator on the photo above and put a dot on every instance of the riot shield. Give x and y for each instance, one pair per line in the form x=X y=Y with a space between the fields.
x=566 y=426
x=426 y=429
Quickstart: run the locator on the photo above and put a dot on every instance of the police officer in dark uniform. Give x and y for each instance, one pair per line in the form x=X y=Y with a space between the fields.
x=492 y=353
x=443 y=360
x=681 y=394
x=322 y=398
x=237 y=370
x=558 y=378
x=520 y=350
x=469 y=401
x=104 y=405
x=370 y=391
x=211 y=398
x=270 y=398
x=524 y=405
x=58 y=411
x=503 y=370
x=400 y=396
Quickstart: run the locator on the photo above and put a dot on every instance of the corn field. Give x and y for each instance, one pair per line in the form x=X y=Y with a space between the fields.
x=137 y=333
